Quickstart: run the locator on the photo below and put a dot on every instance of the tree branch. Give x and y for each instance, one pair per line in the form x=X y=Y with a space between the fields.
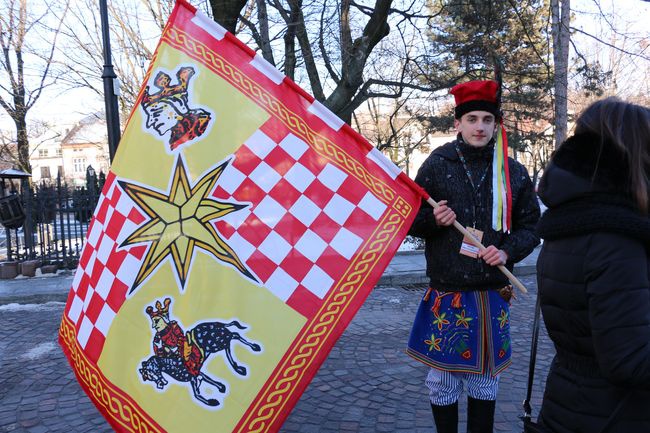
x=265 y=42
x=305 y=47
x=323 y=50
x=629 y=53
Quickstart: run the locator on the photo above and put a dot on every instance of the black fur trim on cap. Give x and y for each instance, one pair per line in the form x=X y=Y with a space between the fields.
x=475 y=105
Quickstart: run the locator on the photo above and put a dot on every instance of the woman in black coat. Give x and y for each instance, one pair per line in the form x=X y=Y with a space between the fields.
x=594 y=273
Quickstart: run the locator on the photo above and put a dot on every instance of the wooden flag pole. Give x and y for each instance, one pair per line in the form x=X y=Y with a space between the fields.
x=477 y=243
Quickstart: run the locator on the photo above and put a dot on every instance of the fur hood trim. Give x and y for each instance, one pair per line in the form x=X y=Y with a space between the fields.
x=586 y=156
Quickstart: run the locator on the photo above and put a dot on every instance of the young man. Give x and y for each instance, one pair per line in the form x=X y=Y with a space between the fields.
x=462 y=328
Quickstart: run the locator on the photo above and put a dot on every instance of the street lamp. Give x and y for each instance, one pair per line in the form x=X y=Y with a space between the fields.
x=91 y=180
x=110 y=86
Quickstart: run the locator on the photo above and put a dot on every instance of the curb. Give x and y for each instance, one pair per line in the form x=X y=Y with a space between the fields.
x=408 y=278
x=34 y=299
x=394 y=279
x=524 y=270
x=36 y=290
x=403 y=279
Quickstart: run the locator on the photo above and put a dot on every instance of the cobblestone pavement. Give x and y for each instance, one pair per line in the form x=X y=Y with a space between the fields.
x=367 y=384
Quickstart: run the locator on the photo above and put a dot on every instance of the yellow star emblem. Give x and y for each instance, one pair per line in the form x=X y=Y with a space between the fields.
x=180 y=221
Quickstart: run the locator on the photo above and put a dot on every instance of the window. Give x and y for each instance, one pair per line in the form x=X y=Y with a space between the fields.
x=79 y=165
x=59 y=172
x=45 y=172
x=59 y=152
x=42 y=153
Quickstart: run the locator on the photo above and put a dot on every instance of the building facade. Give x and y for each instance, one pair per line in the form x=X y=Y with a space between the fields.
x=68 y=152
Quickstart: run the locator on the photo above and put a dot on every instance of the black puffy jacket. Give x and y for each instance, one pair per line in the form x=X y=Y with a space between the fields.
x=443 y=176
x=594 y=282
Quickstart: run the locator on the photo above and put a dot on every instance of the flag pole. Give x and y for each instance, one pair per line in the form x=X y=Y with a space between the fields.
x=478 y=244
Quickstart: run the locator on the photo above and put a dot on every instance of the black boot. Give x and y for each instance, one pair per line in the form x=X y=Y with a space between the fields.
x=480 y=415
x=446 y=418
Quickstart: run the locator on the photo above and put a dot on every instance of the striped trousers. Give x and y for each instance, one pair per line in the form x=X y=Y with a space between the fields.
x=445 y=387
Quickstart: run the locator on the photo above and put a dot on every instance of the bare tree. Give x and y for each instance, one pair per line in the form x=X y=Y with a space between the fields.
x=8 y=154
x=612 y=57
x=397 y=127
x=609 y=57
x=331 y=44
x=561 y=20
x=39 y=131
x=28 y=39
x=134 y=29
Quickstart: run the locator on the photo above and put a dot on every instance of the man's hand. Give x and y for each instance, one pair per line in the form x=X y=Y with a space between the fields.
x=444 y=215
x=493 y=256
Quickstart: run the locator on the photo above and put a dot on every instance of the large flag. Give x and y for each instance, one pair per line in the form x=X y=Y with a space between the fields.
x=240 y=229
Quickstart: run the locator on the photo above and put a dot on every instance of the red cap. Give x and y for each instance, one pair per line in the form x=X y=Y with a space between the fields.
x=475 y=96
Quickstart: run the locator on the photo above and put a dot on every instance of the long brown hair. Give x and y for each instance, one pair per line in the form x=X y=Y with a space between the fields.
x=627 y=127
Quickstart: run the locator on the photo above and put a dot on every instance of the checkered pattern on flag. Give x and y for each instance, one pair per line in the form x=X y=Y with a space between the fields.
x=239 y=231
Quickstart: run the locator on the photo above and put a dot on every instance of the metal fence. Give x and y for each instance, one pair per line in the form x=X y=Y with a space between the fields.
x=56 y=219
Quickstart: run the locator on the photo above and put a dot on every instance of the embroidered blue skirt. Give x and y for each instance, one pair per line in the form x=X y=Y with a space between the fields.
x=462 y=331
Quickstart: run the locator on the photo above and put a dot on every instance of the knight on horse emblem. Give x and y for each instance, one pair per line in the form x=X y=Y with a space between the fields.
x=181 y=355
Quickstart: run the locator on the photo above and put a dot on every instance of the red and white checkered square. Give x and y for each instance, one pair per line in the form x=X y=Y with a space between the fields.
x=104 y=274
x=306 y=220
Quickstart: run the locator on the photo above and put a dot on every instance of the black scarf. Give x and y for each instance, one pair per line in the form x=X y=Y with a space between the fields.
x=591 y=213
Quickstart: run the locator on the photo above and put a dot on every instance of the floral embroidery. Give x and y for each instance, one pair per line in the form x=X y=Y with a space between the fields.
x=503 y=319
x=462 y=320
x=505 y=346
x=435 y=309
x=441 y=321
x=434 y=343
x=455 y=302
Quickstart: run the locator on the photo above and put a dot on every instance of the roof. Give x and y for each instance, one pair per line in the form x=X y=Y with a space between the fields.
x=12 y=173
x=90 y=129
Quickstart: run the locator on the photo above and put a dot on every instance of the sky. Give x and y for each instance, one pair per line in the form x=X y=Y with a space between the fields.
x=68 y=106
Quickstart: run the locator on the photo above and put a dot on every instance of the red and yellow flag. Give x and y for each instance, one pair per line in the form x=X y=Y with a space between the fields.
x=240 y=229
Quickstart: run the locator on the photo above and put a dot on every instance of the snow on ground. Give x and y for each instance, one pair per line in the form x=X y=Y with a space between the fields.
x=31 y=307
x=40 y=351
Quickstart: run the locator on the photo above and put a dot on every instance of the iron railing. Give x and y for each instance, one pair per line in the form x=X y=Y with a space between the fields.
x=56 y=222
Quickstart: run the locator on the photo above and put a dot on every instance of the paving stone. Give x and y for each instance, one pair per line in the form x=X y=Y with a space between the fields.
x=367 y=384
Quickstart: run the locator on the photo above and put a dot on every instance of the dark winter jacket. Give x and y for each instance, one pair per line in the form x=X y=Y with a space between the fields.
x=443 y=176
x=593 y=280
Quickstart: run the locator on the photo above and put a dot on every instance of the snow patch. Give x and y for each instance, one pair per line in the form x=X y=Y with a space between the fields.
x=411 y=243
x=40 y=350
x=31 y=307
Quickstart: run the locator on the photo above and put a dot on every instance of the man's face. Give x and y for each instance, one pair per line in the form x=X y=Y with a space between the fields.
x=476 y=127
x=158 y=323
x=161 y=116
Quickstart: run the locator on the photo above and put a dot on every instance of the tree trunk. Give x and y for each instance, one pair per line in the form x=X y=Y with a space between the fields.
x=263 y=18
x=226 y=12
x=22 y=144
x=560 y=15
x=20 y=114
x=355 y=54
